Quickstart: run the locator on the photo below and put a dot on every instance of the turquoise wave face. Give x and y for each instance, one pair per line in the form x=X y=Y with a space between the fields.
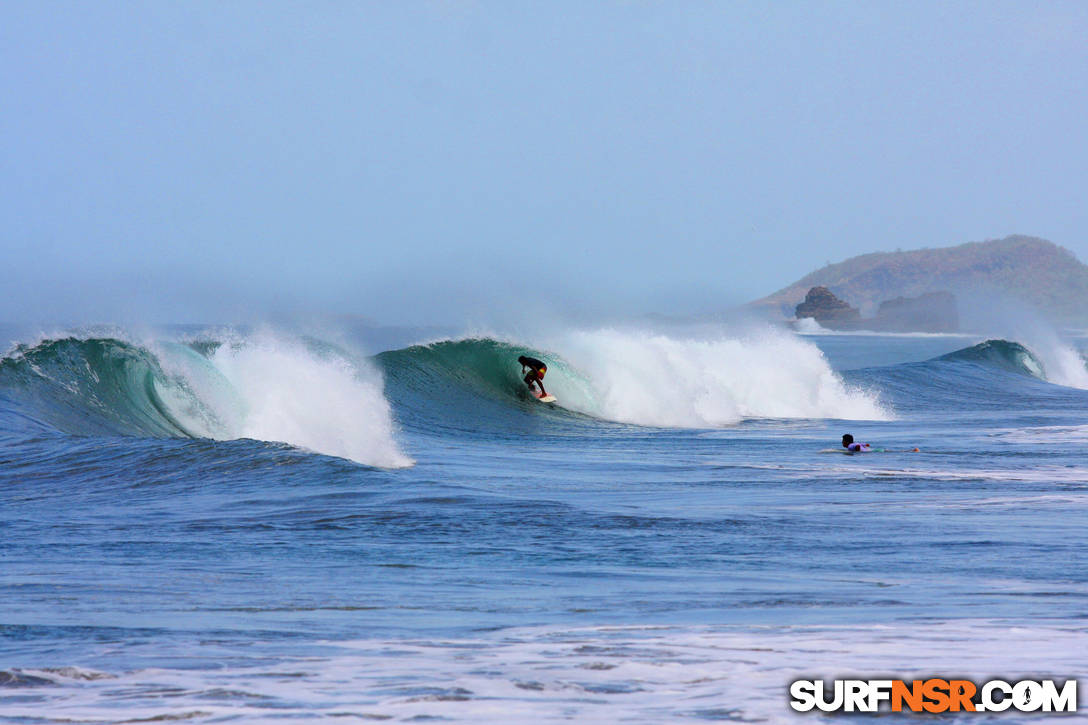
x=475 y=386
x=1000 y=353
x=309 y=395
x=485 y=366
x=96 y=386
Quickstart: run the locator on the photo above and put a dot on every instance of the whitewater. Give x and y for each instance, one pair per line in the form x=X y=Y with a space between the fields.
x=262 y=524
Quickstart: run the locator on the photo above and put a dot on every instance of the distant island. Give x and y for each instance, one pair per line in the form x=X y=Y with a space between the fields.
x=914 y=289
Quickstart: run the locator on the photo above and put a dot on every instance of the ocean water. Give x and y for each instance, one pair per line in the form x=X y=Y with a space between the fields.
x=235 y=526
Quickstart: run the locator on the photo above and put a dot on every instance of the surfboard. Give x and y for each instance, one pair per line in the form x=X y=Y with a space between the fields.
x=545 y=398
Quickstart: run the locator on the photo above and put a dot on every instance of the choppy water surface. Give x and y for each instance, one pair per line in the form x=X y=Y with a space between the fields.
x=214 y=527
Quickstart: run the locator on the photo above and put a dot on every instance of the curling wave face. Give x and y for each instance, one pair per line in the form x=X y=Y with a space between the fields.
x=267 y=388
x=1048 y=359
x=1004 y=354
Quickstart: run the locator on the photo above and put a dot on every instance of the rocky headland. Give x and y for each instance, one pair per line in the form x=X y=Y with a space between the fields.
x=912 y=290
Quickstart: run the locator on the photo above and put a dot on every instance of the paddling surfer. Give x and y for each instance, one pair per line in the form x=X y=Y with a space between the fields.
x=849 y=444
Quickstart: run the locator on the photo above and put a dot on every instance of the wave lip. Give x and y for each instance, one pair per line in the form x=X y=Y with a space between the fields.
x=266 y=388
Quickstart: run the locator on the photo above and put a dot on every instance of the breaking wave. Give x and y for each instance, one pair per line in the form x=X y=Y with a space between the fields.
x=1000 y=353
x=648 y=379
x=267 y=388
x=319 y=397
x=1048 y=359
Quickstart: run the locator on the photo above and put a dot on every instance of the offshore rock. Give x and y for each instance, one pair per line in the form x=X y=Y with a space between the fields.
x=821 y=304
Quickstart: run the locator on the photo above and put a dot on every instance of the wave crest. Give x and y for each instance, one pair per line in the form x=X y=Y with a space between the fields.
x=1000 y=353
x=266 y=388
x=1048 y=359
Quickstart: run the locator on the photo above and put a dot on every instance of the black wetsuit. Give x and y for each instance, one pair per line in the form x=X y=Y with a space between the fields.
x=532 y=378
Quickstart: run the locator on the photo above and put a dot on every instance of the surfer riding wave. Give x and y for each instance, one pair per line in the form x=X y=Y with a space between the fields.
x=534 y=378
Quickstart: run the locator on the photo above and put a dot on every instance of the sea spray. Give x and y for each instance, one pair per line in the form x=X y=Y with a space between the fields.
x=1062 y=363
x=281 y=389
x=809 y=326
x=648 y=378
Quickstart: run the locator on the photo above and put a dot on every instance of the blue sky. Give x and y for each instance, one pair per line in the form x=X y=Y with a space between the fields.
x=441 y=161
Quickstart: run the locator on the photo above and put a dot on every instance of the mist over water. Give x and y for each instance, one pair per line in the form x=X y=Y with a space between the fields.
x=651 y=378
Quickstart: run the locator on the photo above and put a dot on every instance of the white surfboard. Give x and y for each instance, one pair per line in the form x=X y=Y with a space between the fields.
x=546 y=398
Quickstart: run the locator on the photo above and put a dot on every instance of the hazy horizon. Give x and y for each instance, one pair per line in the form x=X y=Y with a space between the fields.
x=443 y=163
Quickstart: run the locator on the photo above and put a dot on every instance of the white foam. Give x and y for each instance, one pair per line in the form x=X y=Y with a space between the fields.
x=273 y=388
x=809 y=326
x=1033 y=474
x=1036 y=474
x=658 y=674
x=650 y=378
x=1044 y=434
x=1063 y=364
